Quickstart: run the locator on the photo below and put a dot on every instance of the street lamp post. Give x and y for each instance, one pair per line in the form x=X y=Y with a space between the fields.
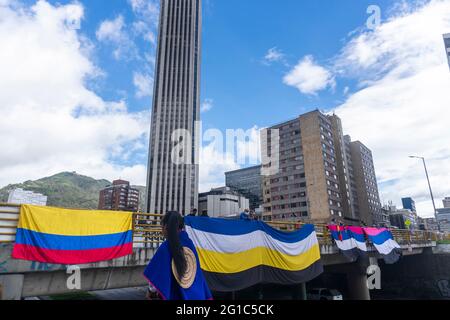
x=429 y=186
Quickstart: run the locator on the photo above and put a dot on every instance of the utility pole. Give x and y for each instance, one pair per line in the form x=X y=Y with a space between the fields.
x=429 y=186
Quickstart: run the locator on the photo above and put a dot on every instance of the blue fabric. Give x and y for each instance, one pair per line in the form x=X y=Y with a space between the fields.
x=344 y=233
x=244 y=216
x=242 y=227
x=59 y=242
x=159 y=274
x=358 y=237
x=381 y=238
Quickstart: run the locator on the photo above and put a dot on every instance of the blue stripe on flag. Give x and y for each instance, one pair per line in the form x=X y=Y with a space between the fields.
x=58 y=242
x=381 y=238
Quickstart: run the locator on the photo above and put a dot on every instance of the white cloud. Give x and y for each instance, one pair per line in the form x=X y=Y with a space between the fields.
x=309 y=77
x=214 y=162
x=143 y=84
x=142 y=28
x=111 y=30
x=273 y=55
x=51 y=121
x=223 y=154
x=115 y=33
x=403 y=107
x=207 y=105
x=147 y=16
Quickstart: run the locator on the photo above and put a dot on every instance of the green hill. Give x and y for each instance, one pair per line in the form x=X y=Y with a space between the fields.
x=66 y=189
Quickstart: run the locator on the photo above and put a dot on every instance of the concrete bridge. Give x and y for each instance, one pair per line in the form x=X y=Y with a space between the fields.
x=20 y=279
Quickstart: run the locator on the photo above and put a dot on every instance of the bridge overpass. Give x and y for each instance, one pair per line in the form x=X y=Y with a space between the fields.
x=21 y=279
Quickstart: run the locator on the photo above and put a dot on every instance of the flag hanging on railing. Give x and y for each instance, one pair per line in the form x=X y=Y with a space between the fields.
x=350 y=240
x=385 y=244
x=237 y=254
x=357 y=234
x=63 y=236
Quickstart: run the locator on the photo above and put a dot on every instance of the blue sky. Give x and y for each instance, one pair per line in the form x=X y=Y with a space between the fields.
x=236 y=37
x=79 y=99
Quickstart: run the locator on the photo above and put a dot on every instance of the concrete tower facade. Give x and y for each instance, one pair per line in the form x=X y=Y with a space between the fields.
x=172 y=179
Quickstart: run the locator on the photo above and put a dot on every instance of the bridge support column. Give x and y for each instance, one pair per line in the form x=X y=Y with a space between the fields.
x=11 y=287
x=303 y=292
x=357 y=286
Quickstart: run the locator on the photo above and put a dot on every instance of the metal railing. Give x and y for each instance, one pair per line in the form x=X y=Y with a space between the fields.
x=9 y=219
x=147 y=229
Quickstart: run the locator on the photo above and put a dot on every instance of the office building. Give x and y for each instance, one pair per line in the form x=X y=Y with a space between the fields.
x=20 y=196
x=120 y=196
x=409 y=203
x=172 y=179
x=247 y=182
x=222 y=202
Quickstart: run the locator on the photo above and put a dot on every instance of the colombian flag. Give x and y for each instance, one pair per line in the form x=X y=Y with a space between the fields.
x=237 y=254
x=68 y=237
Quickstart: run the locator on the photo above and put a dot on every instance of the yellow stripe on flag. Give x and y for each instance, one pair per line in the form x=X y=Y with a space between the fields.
x=217 y=262
x=70 y=222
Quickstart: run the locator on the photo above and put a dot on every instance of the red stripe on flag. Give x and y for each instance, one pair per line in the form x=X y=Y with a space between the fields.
x=70 y=257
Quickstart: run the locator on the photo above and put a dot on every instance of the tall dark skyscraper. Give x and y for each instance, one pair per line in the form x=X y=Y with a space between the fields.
x=172 y=178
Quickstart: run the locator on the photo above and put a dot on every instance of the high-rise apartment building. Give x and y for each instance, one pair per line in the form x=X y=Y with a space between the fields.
x=366 y=184
x=321 y=174
x=247 y=182
x=307 y=183
x=172 y=180
x=347 y=185
x=120 y=196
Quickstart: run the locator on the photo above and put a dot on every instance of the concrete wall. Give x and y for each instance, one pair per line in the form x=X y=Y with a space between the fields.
x=19 y=278
x=425 y=276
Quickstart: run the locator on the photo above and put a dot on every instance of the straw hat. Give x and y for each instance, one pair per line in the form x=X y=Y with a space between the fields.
x=191 y=269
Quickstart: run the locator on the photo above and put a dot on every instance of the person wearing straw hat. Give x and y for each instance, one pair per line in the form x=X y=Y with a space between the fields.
x=174 y=272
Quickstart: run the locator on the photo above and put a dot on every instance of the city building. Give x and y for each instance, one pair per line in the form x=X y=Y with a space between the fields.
x=120 y=196
x=247 y=182
x=446 y=202
x=385 y=216
x=409 y=203
x=305 y=185
x=402 y=218
x=222 y=202
x=20 y=196
x=431 y=224
x=365 y=179
x=447 y=46
x=348 y=189
x=321 y=173
x=173 y=172
x=443 y=217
